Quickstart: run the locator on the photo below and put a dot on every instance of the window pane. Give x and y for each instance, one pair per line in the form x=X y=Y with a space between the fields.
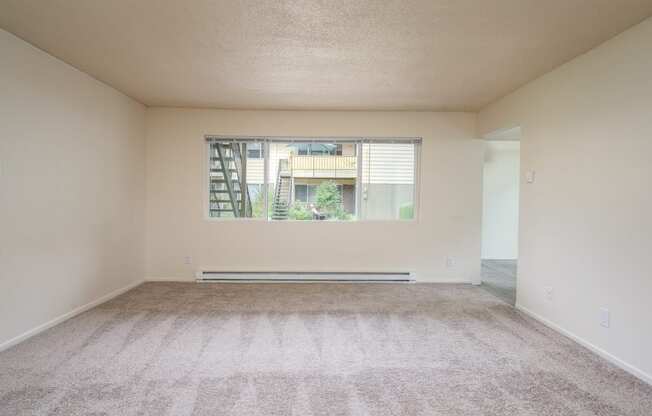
x=301 y=193
x=235 y=181
x=312 y=193
x=388 y=171
x=307 y=182
x=255 y=150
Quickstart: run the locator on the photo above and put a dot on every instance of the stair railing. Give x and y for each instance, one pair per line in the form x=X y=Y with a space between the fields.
x=282 y=167
x=240 y=161
x=227 y=179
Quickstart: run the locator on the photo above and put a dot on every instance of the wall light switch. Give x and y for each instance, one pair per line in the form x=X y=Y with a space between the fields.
x=548 y=292
x=187 y=260
x=450 y=262
x=604 y=317
x=529 y=176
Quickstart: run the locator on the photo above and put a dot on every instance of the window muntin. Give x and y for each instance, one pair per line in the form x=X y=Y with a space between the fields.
x=341 y=180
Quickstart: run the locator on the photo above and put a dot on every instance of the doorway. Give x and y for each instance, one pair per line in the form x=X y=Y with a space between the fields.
x=500 y=213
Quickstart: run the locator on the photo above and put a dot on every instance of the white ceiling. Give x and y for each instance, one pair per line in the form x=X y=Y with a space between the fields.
x=329 y=54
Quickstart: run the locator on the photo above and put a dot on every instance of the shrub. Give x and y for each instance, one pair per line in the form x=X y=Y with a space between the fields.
x=406 y=212
x=299 y=211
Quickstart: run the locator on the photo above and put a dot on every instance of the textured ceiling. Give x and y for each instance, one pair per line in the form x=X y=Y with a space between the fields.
x=329 y=54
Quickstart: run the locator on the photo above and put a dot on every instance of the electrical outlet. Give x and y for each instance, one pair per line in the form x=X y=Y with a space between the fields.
x=548 y=292
x=187 y=260
x=450 y=262
x=604 y=317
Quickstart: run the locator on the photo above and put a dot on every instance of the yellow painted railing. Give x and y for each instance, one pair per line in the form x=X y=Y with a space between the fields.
x=323 y=162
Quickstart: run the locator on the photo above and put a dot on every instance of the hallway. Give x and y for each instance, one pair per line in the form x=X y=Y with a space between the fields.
x=499 y=278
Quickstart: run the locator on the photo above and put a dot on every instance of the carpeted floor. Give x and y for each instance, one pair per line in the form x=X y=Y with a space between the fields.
x=310 y=349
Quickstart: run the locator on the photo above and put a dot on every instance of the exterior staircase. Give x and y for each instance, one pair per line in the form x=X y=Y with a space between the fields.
x=282 y=192
x=228 y=193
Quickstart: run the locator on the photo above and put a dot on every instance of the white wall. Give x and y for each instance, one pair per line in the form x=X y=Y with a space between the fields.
x=500 y=200
x=586 y=228
x=450 y=214
x=71 y=188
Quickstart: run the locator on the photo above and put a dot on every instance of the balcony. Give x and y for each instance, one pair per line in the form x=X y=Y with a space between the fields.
x=323 y=166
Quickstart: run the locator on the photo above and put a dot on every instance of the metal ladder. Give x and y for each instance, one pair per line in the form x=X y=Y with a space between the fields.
x=228 y=193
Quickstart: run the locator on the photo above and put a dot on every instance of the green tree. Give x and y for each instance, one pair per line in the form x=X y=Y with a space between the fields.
x=328 y=198
x=258 y=204
x=328 y=201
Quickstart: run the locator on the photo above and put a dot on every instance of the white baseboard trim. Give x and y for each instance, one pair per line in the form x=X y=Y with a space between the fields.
x=636 y=372
x=304 y=276
x=434 y=281
x=35 y=331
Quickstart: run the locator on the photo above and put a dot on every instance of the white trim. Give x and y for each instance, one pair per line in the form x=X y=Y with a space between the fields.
x=320 y=281
x=359 y=185
x=636 y=372
x=416 y=193
x=304 y=275
x=43 y=327
x=263 y=220
x=314 y=139
x=206 y=181
x=265 y=187
x=416 y=279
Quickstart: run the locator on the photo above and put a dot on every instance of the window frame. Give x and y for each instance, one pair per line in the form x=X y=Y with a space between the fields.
x=265 y=142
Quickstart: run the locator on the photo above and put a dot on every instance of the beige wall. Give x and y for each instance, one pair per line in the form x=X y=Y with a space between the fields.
x=71 y=189
x=586 y=228
x=449 y=223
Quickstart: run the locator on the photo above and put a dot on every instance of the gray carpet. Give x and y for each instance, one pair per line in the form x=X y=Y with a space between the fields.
x=310 y=349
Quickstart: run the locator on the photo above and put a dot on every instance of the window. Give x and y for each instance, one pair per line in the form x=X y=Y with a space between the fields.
x=255 y=151
x=301 y=193
x=235 y=180
x=313 y=179
x=255 y=190
x=388 y=181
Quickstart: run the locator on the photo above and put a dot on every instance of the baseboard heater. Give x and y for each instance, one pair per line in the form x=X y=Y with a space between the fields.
x=276 y=276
